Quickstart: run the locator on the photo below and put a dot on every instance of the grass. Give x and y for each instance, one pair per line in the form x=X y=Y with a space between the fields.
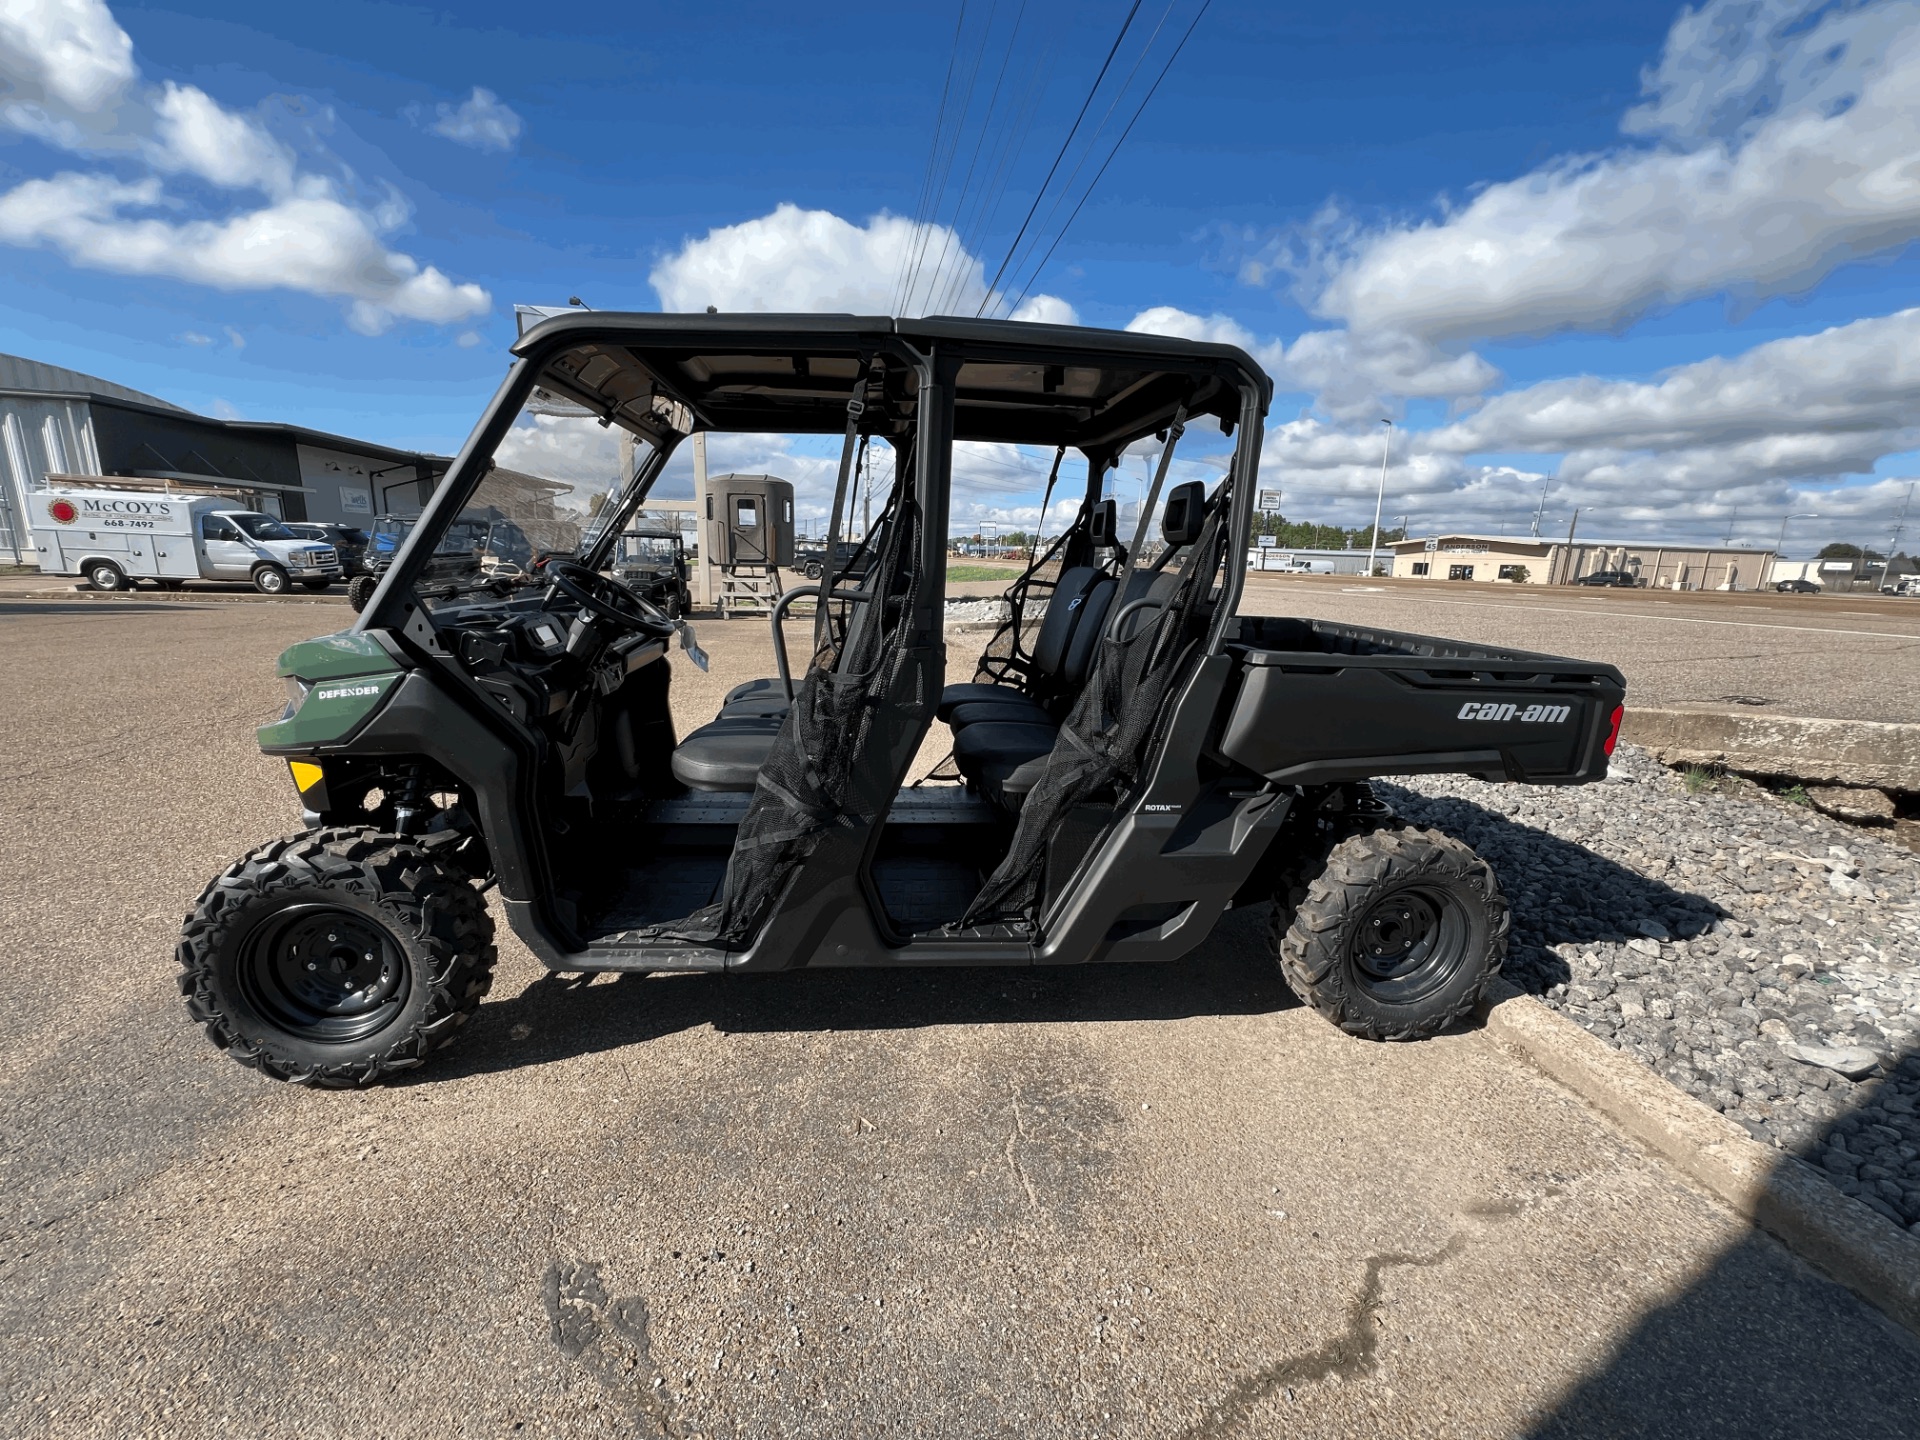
x=979 y=572
x=1796 y=795
x=1702 y=780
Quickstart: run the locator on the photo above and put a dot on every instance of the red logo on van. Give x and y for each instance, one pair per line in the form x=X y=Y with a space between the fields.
x=64 y=511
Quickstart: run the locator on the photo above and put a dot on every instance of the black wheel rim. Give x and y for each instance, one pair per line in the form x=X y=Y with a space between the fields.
x=324 y=973
x=1409 y=943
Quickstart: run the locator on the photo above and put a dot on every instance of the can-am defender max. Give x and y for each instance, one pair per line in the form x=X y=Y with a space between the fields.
x=1136 y=758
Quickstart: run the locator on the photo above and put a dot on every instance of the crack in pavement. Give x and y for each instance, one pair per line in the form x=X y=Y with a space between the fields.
x=608 y=1339
x=1350 y=1353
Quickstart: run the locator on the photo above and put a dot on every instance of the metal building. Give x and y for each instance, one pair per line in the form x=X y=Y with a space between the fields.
x=1536 y=560
x=59 y=422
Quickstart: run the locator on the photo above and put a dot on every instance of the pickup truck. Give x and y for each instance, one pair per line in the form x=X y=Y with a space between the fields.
x=1130 y=756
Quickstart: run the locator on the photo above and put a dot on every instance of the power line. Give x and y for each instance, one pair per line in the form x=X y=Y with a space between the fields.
x=1093 y=140
x=933 y=153
x=1138 y=112
x=1040 y=194
x=946 y=169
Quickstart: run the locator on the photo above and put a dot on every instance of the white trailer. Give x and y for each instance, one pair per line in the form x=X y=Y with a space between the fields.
x=115 y=538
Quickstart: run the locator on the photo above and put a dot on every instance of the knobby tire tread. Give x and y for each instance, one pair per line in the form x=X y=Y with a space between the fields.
x=436 y=910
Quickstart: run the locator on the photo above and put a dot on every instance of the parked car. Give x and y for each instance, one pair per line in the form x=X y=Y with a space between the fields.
x=348 y=542
x=1617 y=578
x=1796 y=587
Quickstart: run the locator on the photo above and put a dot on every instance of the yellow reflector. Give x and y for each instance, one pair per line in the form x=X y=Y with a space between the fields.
x=306 y=774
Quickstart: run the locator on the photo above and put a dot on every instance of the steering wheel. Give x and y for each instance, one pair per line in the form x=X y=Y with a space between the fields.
x=607 y=598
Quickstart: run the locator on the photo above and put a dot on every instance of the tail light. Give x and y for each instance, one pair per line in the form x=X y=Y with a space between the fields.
x=1613 y=730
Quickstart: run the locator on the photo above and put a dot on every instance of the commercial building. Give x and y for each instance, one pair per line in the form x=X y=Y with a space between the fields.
x=1302 y=561
x=63 y=424
x=1536 y=560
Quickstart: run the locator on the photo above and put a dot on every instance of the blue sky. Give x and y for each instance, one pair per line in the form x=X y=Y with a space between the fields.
x=324 y=214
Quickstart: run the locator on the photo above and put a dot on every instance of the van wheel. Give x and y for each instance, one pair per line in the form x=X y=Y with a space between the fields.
x=105 y=575
x=270 y=580
x=336 y=957
x=360 y=590
x=1397 y=937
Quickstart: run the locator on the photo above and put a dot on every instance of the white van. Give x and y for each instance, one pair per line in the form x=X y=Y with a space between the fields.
x=115 y=537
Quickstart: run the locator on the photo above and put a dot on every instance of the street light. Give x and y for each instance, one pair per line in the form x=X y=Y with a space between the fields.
x=1810 y=515
x=1381 y=499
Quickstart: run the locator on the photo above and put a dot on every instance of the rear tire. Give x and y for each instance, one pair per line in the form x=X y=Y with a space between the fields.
x=1398 y=935
x=105 y=575
x=360 y=590
x=270 y=580
x=336 y=957
x=315 y=585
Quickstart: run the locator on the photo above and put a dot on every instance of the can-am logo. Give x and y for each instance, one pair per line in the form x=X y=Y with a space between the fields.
x=1532 y=715
x=64 y=512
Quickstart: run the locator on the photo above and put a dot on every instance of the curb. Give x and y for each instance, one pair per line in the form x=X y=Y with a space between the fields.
x=1882 y=754
x=1784 y=1196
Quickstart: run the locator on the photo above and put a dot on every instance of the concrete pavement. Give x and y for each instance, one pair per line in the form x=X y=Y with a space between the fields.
x=1842 y=657
x=1135 y=1201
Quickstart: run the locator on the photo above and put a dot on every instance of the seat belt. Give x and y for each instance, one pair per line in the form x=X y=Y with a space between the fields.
x=856 y=407
x=1174 y=432
x=1033 y=546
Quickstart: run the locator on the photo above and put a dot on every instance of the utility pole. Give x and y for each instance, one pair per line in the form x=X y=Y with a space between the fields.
x=1540 y=510
x=1380 y=499
x=1893 y=540
x=1732 y=525
x=701 y=506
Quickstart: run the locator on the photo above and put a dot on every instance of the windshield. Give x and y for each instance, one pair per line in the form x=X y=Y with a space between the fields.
x=263 y=527
x=556 y=473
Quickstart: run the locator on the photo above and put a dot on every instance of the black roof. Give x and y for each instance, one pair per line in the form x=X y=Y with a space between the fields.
x=1016 y=382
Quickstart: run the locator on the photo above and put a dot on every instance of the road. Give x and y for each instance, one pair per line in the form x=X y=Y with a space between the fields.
x=1842 y=657
x=1131 y=1202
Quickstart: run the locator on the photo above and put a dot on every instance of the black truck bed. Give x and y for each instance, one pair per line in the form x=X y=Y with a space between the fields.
x=1317 y=703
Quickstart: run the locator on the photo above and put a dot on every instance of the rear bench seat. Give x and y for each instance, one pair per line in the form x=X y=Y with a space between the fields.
x=1002 y=740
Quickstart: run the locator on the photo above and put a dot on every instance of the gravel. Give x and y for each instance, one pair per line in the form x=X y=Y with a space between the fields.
x=1754 y=953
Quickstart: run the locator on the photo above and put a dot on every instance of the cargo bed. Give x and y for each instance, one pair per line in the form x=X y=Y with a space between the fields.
x=1316 y=703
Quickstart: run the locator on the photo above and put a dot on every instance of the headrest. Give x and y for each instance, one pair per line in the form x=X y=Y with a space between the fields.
x=1186 y=512
x=1105 y=527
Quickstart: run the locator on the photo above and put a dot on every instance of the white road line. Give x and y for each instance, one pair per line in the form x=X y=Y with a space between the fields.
x=1642 y=615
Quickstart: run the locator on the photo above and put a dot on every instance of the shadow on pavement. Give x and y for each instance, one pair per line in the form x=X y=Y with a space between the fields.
x=1754 y=1348
x=1230 y=974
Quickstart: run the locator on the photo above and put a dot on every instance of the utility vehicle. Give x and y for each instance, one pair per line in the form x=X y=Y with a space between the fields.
x=117 y=535
x=651 y=561
x=1133 y=757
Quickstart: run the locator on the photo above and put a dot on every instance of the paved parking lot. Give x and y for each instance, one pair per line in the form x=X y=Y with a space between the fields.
x=1840 y=657
x=1142 y=1201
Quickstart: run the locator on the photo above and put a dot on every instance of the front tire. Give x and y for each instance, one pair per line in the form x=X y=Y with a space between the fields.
x=1397 y=937
x=270 y=580
x=360 y=590
x=336 y=957
x=105 y=575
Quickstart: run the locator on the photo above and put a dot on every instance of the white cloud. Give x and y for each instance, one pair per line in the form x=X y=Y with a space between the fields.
x=193 y=133
x=1854 y=379
x=314 y=244
x=1790 y=143
x=194 y=337
x=482 y=121
x=70 y=80
x=1353 y=377
x=813 y=260
x=67 y=53
x=236 y=339
x=467 y=339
